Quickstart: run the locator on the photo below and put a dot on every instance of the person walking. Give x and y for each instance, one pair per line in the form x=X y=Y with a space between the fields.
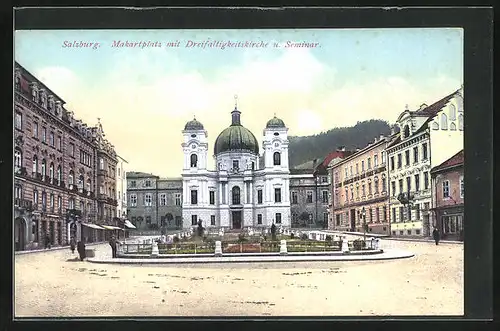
x=81 y=249
x=47 y=240
x=436 y=235
x=113 y=243
x=72 y=245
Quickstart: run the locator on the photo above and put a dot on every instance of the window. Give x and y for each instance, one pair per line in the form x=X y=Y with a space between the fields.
x=163 y=199
x=294 y=198
x=363 y=191
x=352 y=193
x=71 y=178
x=236 y=164
x=461 y=187
x=59 y=143
x=346 y=194
x=18 y=192
x=194 y=197
x=417 y=211
x=310 y=219
x=259 y=196
x=401 y=189
x=51 y=202
x=401 y=214
x=148 y=219
x=369 y=163
x=44 y=168
x=148 y=200
x=72 y=151
x=375 y=185
x=384 y=213
x=393 y=188
x=417 y=182
x=357 y=168
x=71 y=203
x=59 y=203
x=400 y=160
x=325 y=218
x=133 y=183
x=325 y=196
x=417 y=231
x=18 y=160
x=409 y=232
x=194 y=160
x=350 y=170
x=357 y=192
x=324 y=179
x=309 y=197
x=460 y=122
x=362 y=166
x=408 y=184
x=35 y=198
x=147 y=183
x=278 y=218
x=424 y=151
x=277 y=158
x=392 y=163
x=407 y=157
x=369 y=188
x=346 y=175
x=375 y=160
x=446 y=189
x=236 y=199
x=453 y=127
x=212 y=219
x=35 y=130
x=133 y=200
x=52 y=139
x=384 y=184
x=277 y=195
x=177 y=199
x=426 y=180
x=337 y=219
x=212 y=197
x=101 y=163
x=383 y=157
x=259 y=218
x=19 y=121
x=444 y=122
x=394 y=215
x=194 y=219
x=51 y=172
x=406 y=131
x=415 y=154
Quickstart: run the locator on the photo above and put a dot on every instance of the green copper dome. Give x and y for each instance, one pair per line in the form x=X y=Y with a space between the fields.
x=275 y=123
x=236 y=138
x=194 y=125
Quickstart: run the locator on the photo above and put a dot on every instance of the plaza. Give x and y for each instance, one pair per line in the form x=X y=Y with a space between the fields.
x=52 y=283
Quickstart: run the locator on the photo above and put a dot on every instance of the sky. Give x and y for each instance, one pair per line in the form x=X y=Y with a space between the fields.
x=144 y=96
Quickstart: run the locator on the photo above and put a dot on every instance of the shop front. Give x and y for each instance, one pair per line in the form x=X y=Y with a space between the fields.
x=450 y=222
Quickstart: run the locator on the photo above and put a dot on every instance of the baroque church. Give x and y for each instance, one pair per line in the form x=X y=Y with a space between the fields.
x=242 y=191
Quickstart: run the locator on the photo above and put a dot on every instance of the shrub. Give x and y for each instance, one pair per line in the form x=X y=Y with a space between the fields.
x=304 y=236
x=358 y=244
x=241 y=237
x=176 y=239
x=292 y=235
x=328 y=238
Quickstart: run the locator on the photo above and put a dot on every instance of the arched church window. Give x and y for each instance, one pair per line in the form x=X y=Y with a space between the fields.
x=444 y=122
x=277 y=158
x=236 y=195
x=407 y=131
x=452 y=112
x=435 y=126
x=453 y=127
x=461 y=122
x=194 y=160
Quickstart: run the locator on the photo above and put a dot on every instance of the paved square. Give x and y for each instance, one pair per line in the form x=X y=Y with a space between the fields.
x=431 y=283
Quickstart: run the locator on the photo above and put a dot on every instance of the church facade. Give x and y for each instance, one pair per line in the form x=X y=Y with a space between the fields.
x=242 y=191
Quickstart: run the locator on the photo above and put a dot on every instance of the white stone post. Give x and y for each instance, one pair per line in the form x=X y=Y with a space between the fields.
x=283 y=250
x=218 y=248
x=372 y=243
x=155 y=251
x=377 y=244
x=345 y=245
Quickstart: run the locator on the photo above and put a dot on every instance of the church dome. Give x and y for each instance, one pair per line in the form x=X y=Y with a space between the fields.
x=236 y=138
x=194 y=125
x=275 y=123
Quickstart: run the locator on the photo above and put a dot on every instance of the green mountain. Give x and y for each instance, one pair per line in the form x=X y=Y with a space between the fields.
x=303 y=149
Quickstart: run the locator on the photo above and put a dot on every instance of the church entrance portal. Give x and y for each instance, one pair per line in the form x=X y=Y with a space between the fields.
x=236 y=219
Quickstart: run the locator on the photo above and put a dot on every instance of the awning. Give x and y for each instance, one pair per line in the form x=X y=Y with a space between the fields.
x=129 y=225
x=93 y=226
x=110 y=227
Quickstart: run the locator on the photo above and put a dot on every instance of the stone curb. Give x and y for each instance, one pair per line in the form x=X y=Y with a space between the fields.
x=391 y=255
x=53 y=249
x=424 y=240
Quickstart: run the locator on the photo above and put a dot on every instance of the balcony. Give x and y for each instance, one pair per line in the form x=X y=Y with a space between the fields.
x=23 y=204
x=20 y=171
x=102 y=197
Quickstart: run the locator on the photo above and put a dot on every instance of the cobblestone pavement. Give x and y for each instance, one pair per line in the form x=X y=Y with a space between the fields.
x=53 y=283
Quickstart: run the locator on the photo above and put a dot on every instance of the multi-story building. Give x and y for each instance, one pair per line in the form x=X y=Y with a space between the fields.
x=54 y=165
x=448 y=197
x=360 y=184
x=426 y=138
x=121 y=188
x=238 y=193
x=154 y=203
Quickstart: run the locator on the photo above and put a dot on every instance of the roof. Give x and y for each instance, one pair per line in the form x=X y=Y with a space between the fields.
x=138 y=174
x=336 y=154
x=433 y=109
x=455 y=160
x=236 y=138
x=296 y=171
x=193 y=125
x=275 y=123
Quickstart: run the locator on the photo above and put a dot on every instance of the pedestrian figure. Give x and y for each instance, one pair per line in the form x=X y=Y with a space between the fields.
x=436 y=235
x=81 y=249
x=113 y=242
x=273 y=232
x=47 y=240
x=72 y=245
